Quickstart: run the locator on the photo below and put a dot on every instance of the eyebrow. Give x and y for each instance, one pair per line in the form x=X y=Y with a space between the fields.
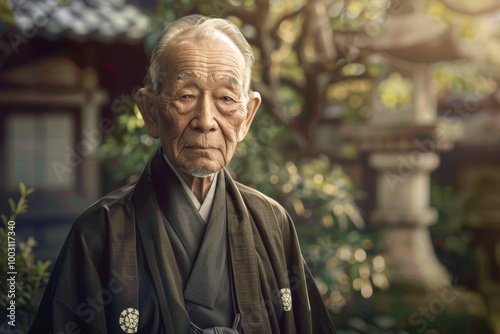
x=230 y=79
x=233 y=80
x=180 y=76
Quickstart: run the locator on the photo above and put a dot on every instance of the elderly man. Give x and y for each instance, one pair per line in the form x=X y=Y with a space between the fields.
x=186 y=249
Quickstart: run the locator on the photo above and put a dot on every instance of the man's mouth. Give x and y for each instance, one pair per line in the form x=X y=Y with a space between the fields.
x=200 y=148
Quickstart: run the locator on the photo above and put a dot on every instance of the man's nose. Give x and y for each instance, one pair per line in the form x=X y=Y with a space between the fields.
x=204 y=118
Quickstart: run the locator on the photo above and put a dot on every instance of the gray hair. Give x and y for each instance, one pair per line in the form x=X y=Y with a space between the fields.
x=203 y=27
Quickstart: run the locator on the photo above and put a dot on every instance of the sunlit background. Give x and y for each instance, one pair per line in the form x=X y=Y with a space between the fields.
x=379 y=132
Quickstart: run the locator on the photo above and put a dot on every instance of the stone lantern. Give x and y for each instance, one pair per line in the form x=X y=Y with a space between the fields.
x=403 y=144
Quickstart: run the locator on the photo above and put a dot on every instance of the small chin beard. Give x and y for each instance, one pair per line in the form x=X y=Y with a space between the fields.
x=198 y=172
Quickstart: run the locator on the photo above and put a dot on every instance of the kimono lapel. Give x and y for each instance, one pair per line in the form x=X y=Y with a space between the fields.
x=159 y=254
x=203 y=284
x=122 y=233
x=244 y=263
x=177 y=208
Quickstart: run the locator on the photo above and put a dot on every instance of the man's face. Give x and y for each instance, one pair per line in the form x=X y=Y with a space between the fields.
x=202 y=112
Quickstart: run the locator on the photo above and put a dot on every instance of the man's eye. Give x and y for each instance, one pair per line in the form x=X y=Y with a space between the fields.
x=227 y=99
x=186 y=97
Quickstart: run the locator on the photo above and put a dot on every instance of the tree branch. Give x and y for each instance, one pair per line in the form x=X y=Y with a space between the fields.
x=274 y=106
x=295 y=85
x=289 y=16
x=270 y=99
x=246 y=15
x=302 y=40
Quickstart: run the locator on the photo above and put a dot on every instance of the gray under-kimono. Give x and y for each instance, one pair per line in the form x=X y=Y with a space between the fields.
x=200 y=249
x=128 y=266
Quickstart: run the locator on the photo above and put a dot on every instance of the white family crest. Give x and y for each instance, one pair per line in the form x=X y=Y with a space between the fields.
x=286 y=299
x=129 y=320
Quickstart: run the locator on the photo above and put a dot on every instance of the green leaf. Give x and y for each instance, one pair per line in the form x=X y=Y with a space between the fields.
x=30 y=191
x=41 y=267
x=12 y=205
x=4 y=218
x=22 y=188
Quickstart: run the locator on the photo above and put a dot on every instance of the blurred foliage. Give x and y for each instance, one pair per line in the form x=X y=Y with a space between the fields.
x=451 y=236
x=6 y=15
x=470 y=25
x=462 y=79
x=348 y=100
x=395 y=92
x=31 y=275
x=350 y=15
x=129 y=146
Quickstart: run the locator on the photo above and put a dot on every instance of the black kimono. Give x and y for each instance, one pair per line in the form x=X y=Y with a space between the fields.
x=128 y=267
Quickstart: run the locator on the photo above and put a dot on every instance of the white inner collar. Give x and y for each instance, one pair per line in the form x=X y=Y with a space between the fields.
x=205 y=208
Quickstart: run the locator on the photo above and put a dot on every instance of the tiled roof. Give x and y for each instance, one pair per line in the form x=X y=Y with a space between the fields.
x=106 y=20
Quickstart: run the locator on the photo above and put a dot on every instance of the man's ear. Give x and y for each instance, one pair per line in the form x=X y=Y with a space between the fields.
x=252 y=106
x=145 y=102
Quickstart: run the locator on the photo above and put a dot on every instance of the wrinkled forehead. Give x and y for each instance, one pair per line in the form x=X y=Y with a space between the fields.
x=215 y=56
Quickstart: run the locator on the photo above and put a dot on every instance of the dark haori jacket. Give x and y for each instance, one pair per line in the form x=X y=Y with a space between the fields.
x=129 y=266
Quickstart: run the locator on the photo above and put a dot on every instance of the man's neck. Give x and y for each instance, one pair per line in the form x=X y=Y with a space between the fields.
x=198 y=185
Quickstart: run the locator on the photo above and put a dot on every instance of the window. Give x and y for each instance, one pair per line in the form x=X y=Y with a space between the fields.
x=33 y=143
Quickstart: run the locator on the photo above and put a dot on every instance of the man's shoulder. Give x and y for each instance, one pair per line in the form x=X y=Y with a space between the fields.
x=253 y=195
x=116 y=203
x=257 y=201
x=99 y=224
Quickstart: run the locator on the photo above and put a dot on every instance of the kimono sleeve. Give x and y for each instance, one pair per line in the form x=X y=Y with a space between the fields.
x=74 y=299
x=310 y=313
